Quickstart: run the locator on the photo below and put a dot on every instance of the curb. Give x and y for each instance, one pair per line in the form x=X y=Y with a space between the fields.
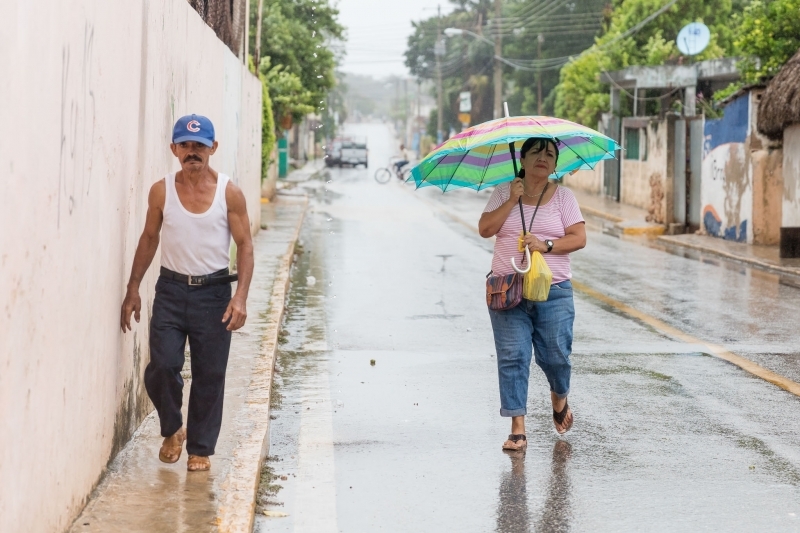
x=600 y=214
x=754 y=262
x=634 y=227
x=627 y=227
x=236 y=511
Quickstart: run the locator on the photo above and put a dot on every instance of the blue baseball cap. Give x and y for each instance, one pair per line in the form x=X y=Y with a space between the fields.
x=193 y=128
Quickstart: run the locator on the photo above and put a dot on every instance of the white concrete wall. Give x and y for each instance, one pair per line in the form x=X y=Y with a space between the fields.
x=727 y=191
x=727 y=174
x=790 y=217
x=90 y=90
x=590 y=181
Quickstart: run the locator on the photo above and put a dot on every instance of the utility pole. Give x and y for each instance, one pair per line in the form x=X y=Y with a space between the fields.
x=438 y=51
x=405 y=111
x=539 y=41
x=498 y=67
x=420 y=129
x=258 y=32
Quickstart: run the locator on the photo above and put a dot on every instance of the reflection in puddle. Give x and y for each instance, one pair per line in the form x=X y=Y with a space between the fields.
x=557 y=511
x=513 y=515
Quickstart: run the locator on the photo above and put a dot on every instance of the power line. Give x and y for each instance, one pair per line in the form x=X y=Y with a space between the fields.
x=507 y=28
x=557 y=62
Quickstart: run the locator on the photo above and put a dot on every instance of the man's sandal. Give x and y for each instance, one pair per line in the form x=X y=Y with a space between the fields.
x=559 y=418
x=516 y=443
x=198 y=463
x=170 y=453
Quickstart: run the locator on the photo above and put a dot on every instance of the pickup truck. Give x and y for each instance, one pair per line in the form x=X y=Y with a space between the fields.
x=354 y=153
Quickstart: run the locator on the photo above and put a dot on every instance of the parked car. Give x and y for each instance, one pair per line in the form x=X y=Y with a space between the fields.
x=333 y=154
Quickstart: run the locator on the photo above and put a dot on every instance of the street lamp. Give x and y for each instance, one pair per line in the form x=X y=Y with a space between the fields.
x=453 y=32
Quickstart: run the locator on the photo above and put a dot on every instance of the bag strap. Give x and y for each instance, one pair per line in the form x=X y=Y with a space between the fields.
x=538 y=203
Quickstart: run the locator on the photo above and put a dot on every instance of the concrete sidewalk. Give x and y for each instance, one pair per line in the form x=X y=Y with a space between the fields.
x=306 y=172
x=764 y=257
x=630 y=220
x=141 y=494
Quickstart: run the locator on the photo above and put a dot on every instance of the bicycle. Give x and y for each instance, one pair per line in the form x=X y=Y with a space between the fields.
x=384 y=174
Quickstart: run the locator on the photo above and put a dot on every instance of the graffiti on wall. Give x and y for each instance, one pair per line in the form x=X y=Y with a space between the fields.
x=713 y=225
x=726 y=189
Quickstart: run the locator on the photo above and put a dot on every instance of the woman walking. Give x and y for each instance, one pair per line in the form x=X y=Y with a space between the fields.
x=540 y=328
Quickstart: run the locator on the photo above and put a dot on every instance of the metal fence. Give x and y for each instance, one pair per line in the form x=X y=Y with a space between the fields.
x=226 y=18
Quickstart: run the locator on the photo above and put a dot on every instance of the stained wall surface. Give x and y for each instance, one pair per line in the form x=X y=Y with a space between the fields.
x=727 y=183
x=90 y=91
x=643 y=180
x=790 y=217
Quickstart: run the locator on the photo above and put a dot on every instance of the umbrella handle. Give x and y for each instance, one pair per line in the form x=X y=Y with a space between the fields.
x=527 y=258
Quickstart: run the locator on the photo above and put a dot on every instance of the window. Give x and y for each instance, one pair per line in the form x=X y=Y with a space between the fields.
x=632 y=143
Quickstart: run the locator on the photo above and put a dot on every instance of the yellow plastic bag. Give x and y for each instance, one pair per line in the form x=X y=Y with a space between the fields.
x=536 y=284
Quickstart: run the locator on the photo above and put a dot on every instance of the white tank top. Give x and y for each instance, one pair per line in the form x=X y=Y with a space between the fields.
x=195 y=244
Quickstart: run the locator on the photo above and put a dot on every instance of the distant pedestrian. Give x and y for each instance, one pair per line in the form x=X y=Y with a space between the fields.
x=194 y=213
x=405 y=158
x=543 y=328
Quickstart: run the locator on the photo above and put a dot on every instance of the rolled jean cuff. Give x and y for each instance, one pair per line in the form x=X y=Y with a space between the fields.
x=513 y=412
x=561 y=395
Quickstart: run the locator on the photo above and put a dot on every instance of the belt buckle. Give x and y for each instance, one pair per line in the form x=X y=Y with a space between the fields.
x=199 y=278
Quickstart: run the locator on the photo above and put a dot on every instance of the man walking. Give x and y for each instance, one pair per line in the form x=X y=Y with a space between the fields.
x=194 y=213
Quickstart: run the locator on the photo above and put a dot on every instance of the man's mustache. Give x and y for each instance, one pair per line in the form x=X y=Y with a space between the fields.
x=192 y=157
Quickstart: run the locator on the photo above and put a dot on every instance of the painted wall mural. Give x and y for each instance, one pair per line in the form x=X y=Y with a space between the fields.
x=726 y=187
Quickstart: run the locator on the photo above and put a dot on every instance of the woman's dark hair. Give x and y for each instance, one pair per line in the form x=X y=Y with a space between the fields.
x=536 y=144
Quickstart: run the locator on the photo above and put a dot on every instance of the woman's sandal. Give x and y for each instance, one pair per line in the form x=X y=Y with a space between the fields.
x=170 y=453
x=516 y=443
x=559 y=418
x=198 y=463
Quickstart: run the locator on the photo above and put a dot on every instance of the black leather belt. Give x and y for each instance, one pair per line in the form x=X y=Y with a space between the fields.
x=215 y=278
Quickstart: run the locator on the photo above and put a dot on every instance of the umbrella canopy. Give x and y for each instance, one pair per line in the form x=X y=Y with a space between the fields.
x=480 y=156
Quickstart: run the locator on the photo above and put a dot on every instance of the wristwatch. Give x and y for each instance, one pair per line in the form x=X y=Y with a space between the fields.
x=549 y=244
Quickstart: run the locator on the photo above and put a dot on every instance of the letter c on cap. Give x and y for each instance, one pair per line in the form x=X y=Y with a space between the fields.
x=193 y=126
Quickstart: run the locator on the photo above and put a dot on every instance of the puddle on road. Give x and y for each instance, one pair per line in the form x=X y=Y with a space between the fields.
x=301 y=353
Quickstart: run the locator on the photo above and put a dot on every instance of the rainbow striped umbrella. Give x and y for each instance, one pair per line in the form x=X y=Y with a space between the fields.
x=481 y=156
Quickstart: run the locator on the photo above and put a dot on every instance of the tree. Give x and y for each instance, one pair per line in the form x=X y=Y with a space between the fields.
x=768 y=34
x=565 y=30
x=582 y=98
x=296 y=61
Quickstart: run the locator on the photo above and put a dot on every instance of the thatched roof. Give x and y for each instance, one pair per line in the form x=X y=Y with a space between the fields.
x=780 y=105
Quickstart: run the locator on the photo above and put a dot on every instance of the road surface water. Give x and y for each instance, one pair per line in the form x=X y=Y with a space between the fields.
x=386 y=409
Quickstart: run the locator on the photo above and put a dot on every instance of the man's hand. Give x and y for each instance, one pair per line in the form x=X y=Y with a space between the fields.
x=236 y=313
x=131 y=304
x=516 y=190
x=534 y=244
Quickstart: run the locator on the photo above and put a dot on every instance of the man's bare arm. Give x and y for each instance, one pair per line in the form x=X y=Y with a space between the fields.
x=145 y=251
x=239 y=223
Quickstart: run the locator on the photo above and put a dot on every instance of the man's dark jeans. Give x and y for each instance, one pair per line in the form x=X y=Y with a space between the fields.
x=179 y=311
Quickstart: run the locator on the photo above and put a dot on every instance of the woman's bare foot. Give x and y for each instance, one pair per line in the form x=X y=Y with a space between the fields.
x=562 y=414
x=198 y=463
x=172 y=447
x=516 y=441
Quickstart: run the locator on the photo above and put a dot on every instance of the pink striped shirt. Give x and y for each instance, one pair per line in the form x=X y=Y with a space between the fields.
x=551 y=221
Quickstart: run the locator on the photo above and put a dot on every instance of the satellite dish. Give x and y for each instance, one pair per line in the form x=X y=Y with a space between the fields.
x=693 y=38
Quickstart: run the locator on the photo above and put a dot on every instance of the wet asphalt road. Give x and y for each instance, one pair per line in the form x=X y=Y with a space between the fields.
x=665 y=438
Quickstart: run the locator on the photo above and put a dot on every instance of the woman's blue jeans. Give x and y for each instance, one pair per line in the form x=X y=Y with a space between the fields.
x=543 y=328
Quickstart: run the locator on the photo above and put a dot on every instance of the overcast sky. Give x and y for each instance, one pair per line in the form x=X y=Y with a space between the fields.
x=378 y=31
